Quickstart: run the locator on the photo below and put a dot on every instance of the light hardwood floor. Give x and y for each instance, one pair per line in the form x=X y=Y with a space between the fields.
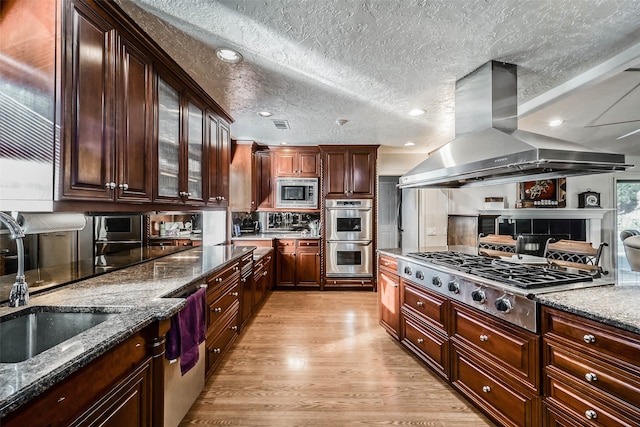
x=322 y=359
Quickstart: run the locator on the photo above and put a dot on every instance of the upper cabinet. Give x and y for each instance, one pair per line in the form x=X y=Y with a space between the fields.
x=219 y=159
x=133 y=126
x=249 y=177
x=296 y=161
x=349 y=171
x=263 y=182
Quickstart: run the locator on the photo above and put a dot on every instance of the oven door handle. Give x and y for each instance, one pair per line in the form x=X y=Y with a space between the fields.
x=352 y=242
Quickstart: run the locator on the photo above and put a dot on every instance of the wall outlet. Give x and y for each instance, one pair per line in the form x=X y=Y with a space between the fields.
x=431 y=231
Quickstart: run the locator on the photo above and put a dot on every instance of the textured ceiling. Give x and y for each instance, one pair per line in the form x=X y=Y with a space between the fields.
x=370 y=62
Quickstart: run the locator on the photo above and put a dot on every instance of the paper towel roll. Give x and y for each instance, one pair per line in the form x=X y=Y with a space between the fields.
x=49 y=222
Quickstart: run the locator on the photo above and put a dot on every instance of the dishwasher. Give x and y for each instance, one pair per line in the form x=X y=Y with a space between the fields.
x=181 y=391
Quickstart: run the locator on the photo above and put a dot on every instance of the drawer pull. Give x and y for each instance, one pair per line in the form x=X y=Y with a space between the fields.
x=484 y=338
x=589 y=339
x=420 y=304
x=590 y=376
x=138 y=345
x=591 y=414
x=420 y=340
x=486 y=388
x=61 y=399
x=386 y=264
x=264 y=273
x=217 y=310
x=395 y=285
x=216 y=350
x=234 y=294
x=234 y=328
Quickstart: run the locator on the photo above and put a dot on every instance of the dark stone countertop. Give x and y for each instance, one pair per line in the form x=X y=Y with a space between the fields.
x=612 y=304
x=139 y=293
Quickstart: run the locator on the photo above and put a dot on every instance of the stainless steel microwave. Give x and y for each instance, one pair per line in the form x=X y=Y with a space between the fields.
x=297 y=193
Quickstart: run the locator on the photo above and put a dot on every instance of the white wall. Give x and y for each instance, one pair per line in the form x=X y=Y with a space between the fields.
x=396 y=164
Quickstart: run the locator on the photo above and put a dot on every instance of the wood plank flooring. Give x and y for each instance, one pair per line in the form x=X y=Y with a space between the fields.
x=315 y=358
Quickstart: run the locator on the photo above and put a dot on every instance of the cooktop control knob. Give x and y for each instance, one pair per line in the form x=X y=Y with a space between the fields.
x=454 y=287
x=479 y=296
x=407 y=270
x=419 y=275
x=436 y=281
x=504 y=305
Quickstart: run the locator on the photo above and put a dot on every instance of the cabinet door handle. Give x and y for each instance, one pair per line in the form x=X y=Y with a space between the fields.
x=264 y=273
x=124 y=187
x=216 y=350
x=591 y=414
x=486 y=388
x=217 y=310
x=234 y=328
x=591 y=377
x=420 y=340
x=395 y=285
x=234 y=294
x=484 y=338
x=420 y=304
x=589 y=339
x=110 y=185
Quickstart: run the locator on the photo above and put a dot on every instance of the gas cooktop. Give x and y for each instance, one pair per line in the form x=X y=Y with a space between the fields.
x=522 y=276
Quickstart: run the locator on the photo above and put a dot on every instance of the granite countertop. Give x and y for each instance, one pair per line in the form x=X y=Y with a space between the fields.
x=140 y=293
x=611 y=304
x=272 y=236
x=260 y=253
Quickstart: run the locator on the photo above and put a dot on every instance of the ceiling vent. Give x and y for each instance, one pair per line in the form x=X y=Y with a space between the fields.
x=281 y=124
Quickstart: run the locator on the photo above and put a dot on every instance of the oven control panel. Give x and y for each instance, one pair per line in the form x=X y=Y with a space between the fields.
x=494 y=300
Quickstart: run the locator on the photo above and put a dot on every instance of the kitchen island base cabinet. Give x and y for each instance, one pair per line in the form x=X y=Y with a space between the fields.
x=113 y=390
x=389 y=295
x=591 y=371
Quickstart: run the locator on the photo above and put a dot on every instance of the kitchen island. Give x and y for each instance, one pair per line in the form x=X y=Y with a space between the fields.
x=559 y=353
x=140 y=295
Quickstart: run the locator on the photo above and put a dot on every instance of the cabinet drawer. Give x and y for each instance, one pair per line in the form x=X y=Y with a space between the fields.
x=426 y=305
x=388 y=262
x=552 y=417
x=349 y=283
x=515 y=349
x=590 y=373
x=220 y=303
x=223 y=276
x=592 y=408
x=286 y=243
x=218 y=345
x=429 y=346
x=310 y=242
x=500 y=400
x=587 y=335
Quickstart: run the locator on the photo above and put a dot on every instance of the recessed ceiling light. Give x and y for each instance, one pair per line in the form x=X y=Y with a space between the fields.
x=284 y=143
x=341 y=122
x=416 y=112
x=228 y=55
x=556 y=122
x=265 y=114
x=409 y=144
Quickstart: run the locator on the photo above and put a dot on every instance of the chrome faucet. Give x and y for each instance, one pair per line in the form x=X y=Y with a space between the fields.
x=19 y=294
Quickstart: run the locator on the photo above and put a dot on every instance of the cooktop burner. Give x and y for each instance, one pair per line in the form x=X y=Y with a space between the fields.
x=522 y=276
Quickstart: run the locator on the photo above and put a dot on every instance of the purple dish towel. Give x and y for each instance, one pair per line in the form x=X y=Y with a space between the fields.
x=187 y=331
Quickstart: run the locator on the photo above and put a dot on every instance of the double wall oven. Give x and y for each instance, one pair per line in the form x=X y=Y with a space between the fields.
x=349 y=236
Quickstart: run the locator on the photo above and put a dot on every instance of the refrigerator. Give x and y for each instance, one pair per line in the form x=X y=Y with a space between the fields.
x=423 y=218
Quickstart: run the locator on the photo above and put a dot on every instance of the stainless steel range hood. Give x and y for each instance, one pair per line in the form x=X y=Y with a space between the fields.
x=489 y=149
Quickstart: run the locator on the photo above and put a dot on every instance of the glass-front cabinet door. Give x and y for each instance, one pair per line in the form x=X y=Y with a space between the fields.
x=168 y=140
x=195 y=153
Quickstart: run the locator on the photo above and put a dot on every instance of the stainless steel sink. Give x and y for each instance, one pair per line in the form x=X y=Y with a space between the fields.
x=36 y=329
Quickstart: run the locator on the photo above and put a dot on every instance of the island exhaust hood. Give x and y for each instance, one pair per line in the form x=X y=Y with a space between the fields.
x=489 y=149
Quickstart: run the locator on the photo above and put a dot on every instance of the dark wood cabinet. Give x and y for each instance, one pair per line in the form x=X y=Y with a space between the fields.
x=298 y=263
x=219 y=147
x=349 y=171
x=223 y=317
x=591 y=373
x=249 y=177
x=100 y=81
x=389 y=294
x=88 y=134
x=263 y=184
x=296 y=162
x=113 y=390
